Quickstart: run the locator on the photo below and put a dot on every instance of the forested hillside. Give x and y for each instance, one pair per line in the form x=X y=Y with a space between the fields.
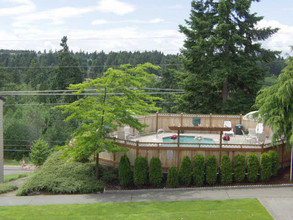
x=30 y=117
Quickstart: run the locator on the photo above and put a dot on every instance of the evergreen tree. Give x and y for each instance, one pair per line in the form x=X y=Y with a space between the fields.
x=68 y=71
x=40 y=150
x=220 y=54
x=275 y=104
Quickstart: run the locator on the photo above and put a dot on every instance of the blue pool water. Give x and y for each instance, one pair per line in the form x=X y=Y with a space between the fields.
x=189 y=139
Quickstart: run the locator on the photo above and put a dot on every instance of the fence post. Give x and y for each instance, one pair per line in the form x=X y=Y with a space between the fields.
x=211 y=121
x=157 y=121
x=181 y=120
x=221 y=134
x=282 y=155
x=240 y=122
x=137 y=148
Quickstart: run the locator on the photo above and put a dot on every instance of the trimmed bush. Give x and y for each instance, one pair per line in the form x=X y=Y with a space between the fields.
x=252 y=167
x=156 y=174
x=198 y=170
x=140 y=174
x=185 y=171
x=125 y=173
x=239 y=168
x=172 y=179
x=226 y=170
x=275 y=162
x=59 y=176
x=265 y=167
x=211 y=170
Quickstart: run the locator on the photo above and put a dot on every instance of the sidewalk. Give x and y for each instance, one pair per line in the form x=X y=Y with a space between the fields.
x=278 y=201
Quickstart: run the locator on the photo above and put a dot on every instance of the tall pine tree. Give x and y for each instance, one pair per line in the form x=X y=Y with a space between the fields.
x=220 y=53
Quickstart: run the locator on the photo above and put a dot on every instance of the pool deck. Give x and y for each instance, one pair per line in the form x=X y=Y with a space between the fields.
x=236 y=139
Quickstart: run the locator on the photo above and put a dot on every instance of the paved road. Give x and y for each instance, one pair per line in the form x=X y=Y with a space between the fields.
x=278 y=201
x=15 y=170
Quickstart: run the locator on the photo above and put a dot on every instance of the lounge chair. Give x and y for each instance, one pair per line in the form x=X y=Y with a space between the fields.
x=228 y=124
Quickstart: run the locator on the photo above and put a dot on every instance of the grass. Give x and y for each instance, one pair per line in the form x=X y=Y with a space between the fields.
x=218 y=209
x=4 y=188
x=12 y=162
x=10 y=177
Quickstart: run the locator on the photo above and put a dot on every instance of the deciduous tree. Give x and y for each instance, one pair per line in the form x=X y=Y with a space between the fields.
x=119 y=101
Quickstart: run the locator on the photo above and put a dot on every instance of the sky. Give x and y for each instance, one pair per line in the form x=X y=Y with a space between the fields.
x=119 y=25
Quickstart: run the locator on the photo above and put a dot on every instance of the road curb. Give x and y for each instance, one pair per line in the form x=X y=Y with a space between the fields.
x=199 y=188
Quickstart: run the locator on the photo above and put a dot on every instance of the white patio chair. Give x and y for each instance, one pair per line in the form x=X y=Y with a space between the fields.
x=249 y=138
x=228 y=124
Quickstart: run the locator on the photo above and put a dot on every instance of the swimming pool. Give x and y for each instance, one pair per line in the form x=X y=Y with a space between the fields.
x=189 y=139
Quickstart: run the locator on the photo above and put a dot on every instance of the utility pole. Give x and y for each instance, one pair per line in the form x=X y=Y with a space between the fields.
x=1 y=140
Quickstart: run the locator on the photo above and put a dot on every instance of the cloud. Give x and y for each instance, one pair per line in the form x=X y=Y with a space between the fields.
x=56 y=16
x=115 y=6
x=23 y=6
x=152 y=21
x=112 y=39
x=282 y=40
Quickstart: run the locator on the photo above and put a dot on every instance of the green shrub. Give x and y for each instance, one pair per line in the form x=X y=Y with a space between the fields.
x=275 y=162
x=59 y=176
x=198 y=170
x=252 y=167
x=40 y=150
x=4 y=187
x=185 y=171
x=211 y=170
x=226 y=170
x=140 y=175
x=265 y=167
x=172 y=179
x=239 y=168
x=156 y=174
x=110 y=175
x=125 y=173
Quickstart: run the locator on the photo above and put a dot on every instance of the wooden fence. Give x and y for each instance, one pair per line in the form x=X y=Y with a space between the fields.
x=171 y=154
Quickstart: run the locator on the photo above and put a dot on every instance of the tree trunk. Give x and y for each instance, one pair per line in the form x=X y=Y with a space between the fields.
x=225 y=91
x=97 y=166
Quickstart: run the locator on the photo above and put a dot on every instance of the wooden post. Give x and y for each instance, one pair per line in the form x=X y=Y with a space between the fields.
x=178 y=151
x=221 y=134
x=157 y=121
x=240 y=121
x=1 y=141
x=114 y=158
x=282 y=155
x=137 y=148
x=211 y=121
x=181 y=120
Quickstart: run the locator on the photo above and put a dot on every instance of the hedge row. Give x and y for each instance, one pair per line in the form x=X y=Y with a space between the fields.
x=203 y=171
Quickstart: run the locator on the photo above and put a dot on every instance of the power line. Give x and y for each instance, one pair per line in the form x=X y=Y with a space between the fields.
x=75 y=90
x=35 y=140
x=55 y=67
x=80 y=94
x=17 y=150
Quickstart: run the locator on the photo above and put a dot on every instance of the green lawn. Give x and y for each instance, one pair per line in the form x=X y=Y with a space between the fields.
x=218 y=209
x=12 y=162
x=10 y=177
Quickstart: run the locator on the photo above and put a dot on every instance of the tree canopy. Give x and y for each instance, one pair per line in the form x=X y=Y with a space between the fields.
x=220 y=55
